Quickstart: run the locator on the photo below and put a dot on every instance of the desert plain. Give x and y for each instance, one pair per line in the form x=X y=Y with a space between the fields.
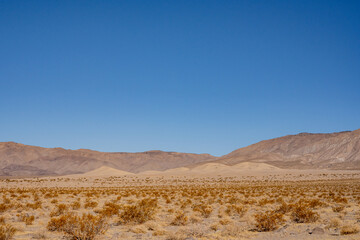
x=213 y=201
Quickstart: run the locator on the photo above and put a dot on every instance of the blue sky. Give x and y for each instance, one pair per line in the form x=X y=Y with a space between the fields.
x=188 y=76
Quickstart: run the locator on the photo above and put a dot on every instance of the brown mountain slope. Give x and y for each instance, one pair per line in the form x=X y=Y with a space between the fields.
x=18 y=159
x=303 y=151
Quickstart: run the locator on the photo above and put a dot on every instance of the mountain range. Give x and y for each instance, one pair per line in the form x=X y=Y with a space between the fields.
x=339 y=150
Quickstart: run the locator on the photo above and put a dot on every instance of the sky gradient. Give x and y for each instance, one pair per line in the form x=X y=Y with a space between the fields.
x=187 y=76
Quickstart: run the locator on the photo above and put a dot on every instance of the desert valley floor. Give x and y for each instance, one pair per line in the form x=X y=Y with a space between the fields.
x=267 y=204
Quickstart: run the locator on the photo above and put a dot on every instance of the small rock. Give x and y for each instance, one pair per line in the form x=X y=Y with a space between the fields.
x=317 y=230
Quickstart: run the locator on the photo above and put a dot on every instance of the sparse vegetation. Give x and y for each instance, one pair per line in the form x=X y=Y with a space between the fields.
x=177 y=207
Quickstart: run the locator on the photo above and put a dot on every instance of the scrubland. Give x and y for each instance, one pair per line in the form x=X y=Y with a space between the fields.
x=181 y=207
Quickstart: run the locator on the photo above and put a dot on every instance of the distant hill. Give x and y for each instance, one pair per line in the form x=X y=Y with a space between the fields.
x=303 y=151
x=22 y=160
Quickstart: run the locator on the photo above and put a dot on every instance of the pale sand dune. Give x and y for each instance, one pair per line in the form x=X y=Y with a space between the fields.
x=177 y=170
x=104 y=171
x=254 y=166
x=210 y=167
x=218 y=169
x=150 y=173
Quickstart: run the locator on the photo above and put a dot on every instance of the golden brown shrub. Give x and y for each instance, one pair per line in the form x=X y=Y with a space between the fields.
x=338 y=208
x=302 y=214
x=110 y=209
x=268 y=221
x=349 y=229
x=76 y=205
x=60 y=209
x=180 y=219
x=140 y=212
x=204 y=209
x=86 y=227
x=235 y=209
x=6 y=232
x=28 y=219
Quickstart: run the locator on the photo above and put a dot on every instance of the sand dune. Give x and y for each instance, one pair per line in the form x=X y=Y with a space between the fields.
x=254 y=166
x=105 y=171
x=221 y=169
x=151 y=173
x=210 y=167
x=217 y=169
x=177 y=170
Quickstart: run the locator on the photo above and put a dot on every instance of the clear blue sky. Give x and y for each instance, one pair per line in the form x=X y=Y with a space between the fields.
x=189 y=76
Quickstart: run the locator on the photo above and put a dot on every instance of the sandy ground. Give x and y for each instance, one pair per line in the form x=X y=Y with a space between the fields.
x=213 y=202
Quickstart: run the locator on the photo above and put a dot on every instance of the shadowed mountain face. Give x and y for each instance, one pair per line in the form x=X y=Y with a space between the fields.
x=303 y=151
x=23 y=160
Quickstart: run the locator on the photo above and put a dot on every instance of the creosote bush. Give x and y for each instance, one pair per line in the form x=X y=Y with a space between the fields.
x=28 y=219
x=349 y=229
x=60 y=209
x=86 y=227
x=180 y=219
x=139 y=212
x=204 y=209
x=268 y=221
x=6 y=232
x=302 y=214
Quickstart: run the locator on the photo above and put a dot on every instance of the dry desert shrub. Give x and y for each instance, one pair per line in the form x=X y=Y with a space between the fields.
x=302 y=214
x=76 y=205
x=284 y=208
x=333 y=223
x=6 y=232
x=225 y=221
x=110 y=209
x=268 y=221
x=86 y=227
x=313 y=203
x=159 y=232
x=90 y=204
x=28 y=219
x=4 y=207
x=204 y=209
x=2 y=220
x=235 y=209
x=180 y=219
x=37 y=204
x=139 y=212
x=60 y=209
x=338 y=208
x=215 y=226
x=349 y=229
